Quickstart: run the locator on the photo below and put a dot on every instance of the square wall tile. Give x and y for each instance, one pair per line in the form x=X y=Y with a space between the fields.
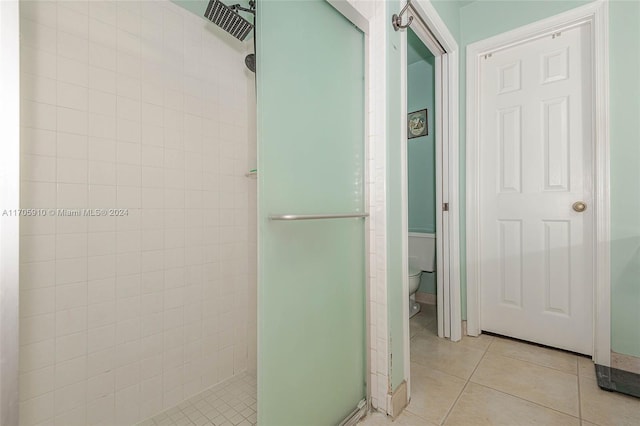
x=116 y=318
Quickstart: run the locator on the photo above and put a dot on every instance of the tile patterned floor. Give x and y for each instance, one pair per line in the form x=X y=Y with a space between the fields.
x=478 y=381
x=495 y=381
x=230 y=403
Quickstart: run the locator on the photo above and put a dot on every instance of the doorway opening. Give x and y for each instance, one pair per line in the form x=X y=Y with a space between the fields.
x=430 y=176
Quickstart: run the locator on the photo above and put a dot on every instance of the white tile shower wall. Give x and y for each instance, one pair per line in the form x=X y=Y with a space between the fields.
x=379 y=333
x=140 y=106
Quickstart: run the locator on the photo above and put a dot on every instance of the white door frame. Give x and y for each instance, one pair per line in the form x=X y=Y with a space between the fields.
x=433 y=32
x=436 y=37
x=596 y=15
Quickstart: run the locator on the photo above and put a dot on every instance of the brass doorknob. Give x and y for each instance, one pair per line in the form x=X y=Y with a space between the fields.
x=579 y=206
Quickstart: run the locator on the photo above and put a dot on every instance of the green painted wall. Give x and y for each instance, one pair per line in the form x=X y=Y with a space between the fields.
x=625 y=176
x=421 y=151
x=421 y=166
x=479 y=20
x=428 y=283
x=449 y=11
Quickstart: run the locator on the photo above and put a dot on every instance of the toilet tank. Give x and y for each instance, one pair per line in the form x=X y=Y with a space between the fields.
x=422 y=251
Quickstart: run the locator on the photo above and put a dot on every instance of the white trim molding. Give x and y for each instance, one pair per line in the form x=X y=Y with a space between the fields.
x=354 y=12
x=404 y=390
x=432 y=30
x=595 y=14
x=602 y=296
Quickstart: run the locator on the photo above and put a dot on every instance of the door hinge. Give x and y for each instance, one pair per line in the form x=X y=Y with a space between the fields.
x=445 y=207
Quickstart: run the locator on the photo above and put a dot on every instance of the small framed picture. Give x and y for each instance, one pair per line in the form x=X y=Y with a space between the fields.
x=417 y=124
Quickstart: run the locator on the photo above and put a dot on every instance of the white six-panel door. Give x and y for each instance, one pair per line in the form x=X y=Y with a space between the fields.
x=536 y=137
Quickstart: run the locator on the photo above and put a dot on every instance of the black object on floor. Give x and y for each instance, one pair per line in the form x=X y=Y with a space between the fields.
x=614 y=380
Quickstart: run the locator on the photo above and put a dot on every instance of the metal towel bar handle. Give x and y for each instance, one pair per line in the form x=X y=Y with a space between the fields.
x=316 y=216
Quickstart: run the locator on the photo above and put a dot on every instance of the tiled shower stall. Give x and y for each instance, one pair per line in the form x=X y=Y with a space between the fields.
x=143 y=109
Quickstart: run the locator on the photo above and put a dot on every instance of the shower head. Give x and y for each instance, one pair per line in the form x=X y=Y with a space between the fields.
x=228 y=19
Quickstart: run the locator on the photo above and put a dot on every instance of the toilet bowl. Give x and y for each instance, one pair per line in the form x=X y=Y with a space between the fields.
x=422 y=258
x=414 y=283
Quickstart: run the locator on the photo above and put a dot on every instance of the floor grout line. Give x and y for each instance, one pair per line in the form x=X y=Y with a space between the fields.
x=415 y=414
x=444 y=420
x=462 y=377
x=532 y=363
x=579 y=396
x=442 y=371
x=526 y=400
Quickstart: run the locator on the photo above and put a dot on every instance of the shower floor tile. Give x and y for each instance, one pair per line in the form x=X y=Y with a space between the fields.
x=230 y=403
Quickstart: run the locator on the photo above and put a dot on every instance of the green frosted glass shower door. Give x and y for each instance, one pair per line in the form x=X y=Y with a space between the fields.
x=311 y=302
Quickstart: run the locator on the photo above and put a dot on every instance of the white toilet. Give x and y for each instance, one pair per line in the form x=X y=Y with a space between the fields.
x=422 y=258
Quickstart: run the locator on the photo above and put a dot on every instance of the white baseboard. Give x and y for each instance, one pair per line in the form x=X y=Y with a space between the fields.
x=398 y=400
